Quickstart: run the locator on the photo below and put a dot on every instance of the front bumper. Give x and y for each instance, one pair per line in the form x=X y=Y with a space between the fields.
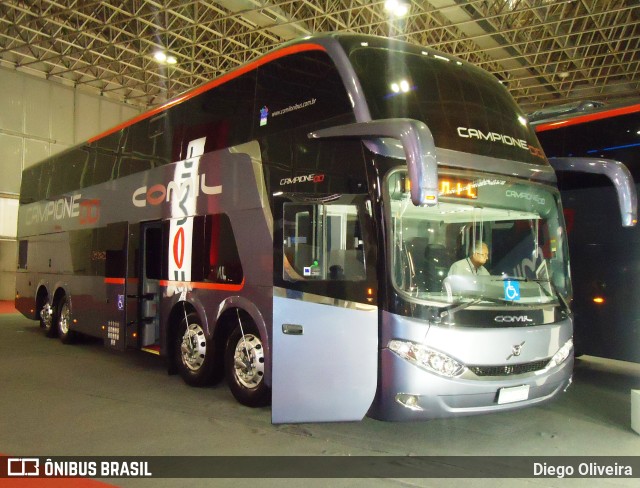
x=407 y=391
x=440 y=397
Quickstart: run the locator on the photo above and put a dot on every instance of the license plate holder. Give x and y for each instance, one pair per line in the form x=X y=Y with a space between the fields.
x=513 y=394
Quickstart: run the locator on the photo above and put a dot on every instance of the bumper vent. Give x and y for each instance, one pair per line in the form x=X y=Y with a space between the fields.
x=509 y=369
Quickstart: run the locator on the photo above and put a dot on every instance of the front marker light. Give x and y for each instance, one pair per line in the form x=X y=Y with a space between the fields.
x=427 y=358
x=562 y=354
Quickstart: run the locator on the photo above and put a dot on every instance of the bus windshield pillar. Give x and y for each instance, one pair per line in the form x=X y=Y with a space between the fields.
x=417 y=143
x=619 y=175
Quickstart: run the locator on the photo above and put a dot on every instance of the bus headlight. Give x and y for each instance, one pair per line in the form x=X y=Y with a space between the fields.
x=427 y=358
x=562 y=354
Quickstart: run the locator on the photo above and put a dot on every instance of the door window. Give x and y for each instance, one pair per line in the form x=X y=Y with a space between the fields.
x=322 y=242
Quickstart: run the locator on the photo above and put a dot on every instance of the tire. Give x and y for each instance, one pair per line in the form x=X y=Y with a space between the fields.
x=194 y=352
x=46 y=315
x=244 y=366
x=63 y=321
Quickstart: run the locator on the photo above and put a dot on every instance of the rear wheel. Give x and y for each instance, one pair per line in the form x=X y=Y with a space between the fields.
x=46 y=319
x=193 y=352
x=63 y=321
x=245 y=365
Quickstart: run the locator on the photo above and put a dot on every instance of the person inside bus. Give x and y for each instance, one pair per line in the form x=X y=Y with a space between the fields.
x=290 y=274
x=474 y=264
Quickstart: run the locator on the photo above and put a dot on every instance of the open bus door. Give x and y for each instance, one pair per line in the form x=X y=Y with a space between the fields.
x=147 y=304
x=325 y=365
x=133 y=264
x=325 y=349
x=325 y=353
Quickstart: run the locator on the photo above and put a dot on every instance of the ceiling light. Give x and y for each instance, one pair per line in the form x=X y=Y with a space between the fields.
x=396 y=8
x=171 y=60
x=160 y=56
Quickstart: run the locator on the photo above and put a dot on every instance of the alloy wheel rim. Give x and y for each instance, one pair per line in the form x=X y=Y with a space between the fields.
x=193 y=348
x=248 y=361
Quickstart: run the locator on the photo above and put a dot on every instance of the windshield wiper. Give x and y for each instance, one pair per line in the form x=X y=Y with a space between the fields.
x=454 y=307
x=457 y=306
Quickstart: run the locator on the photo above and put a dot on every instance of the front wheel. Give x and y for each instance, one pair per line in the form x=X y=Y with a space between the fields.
x=194 y=352
x=244 y=366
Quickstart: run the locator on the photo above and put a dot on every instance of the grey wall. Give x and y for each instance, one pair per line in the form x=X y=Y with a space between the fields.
x=39 y=118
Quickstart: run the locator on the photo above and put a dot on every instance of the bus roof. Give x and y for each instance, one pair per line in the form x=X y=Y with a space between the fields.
x=311 y=43
x=598 y=113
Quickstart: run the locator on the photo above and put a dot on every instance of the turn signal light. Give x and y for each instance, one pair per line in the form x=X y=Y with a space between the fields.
x=598 y=300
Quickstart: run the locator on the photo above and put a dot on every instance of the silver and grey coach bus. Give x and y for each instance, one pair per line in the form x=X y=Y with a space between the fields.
x=292 y=226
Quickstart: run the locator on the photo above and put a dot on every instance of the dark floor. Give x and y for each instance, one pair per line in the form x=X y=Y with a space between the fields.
x=85 y=400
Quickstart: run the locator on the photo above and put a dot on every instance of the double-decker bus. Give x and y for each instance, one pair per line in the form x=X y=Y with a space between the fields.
x=290 y=226
x=604 y=260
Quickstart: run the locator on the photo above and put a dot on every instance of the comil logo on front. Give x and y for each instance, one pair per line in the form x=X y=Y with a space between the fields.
x=23 y=467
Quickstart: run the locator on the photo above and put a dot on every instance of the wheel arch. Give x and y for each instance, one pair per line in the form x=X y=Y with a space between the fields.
x=227 y=319
x=177 y=313
x=60 y=291
x=42 y=293
x=218 y=328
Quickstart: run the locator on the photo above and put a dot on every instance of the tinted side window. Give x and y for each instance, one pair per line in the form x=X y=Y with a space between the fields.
x=322 y=242
x=134 y=155
x=297 y=90
x=221 y=114
x=23 y=247
x=30 y=185
x=221 y=251
x=70 y=169
x=112 y=240
x=104 y=162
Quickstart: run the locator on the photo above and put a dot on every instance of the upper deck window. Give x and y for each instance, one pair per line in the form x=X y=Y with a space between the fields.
x=466 y=108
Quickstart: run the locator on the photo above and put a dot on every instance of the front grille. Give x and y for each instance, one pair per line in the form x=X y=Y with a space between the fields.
x=509 y=369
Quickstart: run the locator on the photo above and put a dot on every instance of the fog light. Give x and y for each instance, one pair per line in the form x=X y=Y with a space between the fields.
x=409 y=401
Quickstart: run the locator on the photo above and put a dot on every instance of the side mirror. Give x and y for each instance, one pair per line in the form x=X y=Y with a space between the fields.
x=417 y=144
x=619 y=175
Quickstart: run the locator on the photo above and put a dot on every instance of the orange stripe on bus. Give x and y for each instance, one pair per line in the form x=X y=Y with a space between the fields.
x=114 y=281
x=214 y=83
x=203 y=286
x=120 y=281
x=581 y=119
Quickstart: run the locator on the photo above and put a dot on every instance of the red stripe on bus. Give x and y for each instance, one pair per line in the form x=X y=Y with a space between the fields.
x=114 y=281
x=203 y=286
x=214 y=83
x=120 y=281
x=581 y=119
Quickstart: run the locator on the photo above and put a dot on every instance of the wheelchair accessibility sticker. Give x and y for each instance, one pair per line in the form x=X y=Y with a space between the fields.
x=511 y=290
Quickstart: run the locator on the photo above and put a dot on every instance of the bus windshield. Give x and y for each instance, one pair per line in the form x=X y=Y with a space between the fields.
x=465 y=108
x=489 y=240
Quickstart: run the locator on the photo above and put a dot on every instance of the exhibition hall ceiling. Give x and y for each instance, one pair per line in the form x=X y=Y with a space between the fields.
x=547 y=52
